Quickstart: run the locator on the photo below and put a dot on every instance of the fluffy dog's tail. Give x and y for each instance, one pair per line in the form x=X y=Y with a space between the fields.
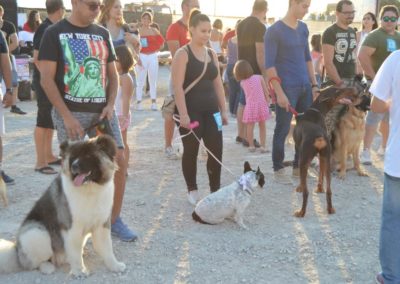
x=8 y=257
x=198 y=219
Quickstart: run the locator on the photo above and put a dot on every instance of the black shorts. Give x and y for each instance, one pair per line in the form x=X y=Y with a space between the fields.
x=44 y=119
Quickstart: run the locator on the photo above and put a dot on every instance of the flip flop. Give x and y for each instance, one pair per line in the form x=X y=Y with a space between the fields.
x=55 y=162
x=47 y=170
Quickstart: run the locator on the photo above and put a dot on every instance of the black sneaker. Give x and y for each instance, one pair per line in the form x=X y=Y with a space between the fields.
x=17 y=110
x=239 y=139
x=8 y=180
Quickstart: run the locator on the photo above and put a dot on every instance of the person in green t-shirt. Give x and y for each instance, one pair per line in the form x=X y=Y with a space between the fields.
x=377 y=46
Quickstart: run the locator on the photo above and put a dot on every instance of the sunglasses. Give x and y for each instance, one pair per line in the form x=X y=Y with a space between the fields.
x=387 y=19
x=350 y=13
x=93 y=6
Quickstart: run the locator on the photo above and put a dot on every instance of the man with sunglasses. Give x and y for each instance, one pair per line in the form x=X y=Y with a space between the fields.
x=77 y=38
x=338 y=45
x=377 y=46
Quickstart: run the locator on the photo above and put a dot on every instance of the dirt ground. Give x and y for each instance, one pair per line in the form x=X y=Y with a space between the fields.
x=172 y=248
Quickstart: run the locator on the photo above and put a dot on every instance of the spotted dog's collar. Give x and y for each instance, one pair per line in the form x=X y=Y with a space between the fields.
x=245 y=184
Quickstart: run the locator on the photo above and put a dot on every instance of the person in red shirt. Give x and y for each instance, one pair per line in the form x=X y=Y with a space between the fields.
x=33 y=22
x=177 y=36
x=151 y=41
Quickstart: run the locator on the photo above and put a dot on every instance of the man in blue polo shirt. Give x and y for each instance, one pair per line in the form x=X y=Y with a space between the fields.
x=291 y=73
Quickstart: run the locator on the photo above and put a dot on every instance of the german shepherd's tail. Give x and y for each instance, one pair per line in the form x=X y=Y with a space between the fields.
x=198 y=219
x=8 y=257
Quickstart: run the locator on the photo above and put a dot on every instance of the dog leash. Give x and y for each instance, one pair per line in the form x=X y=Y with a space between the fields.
x=193 y=125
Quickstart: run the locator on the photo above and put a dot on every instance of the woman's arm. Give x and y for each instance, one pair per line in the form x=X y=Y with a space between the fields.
x=265 y=90
x=127 y=92
x=178 y=70
x=219 y=90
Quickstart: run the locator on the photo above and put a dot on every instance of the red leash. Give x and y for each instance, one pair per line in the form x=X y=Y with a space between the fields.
x=273 y=96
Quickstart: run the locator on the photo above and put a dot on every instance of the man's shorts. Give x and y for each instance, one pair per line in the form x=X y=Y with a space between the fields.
x=168 y=107
x=87 y=120
x=374 y=118
x=43 y=119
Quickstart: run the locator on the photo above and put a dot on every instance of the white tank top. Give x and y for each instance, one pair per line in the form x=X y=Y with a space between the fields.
x=216 y=46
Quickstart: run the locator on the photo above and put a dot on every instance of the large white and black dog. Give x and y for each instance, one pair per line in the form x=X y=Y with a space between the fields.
x=77 y=203
x=230 y=201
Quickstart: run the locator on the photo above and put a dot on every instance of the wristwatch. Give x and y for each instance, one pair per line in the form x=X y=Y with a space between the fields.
x=9 y=90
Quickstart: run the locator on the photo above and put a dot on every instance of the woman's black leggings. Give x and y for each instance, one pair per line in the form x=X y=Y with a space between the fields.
x=212 y=138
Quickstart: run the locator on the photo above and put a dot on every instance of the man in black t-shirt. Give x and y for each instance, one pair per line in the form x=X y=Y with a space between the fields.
x=338 y=46
x=250 y=36
x=10 y=34
x=67 y=52
x=44 y=124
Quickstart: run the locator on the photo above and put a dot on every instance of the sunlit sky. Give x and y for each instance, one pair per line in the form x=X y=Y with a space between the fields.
x=234 y=8
x=237 y=8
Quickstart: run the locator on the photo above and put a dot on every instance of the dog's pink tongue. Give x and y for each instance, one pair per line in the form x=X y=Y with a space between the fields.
x=78 y=180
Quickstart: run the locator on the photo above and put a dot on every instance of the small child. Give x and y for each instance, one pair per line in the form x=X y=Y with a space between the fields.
x=316 y=56
x=124 y=64
x=257 y=102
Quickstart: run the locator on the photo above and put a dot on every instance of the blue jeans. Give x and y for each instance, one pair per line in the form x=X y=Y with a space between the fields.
x=389 y=245
x=234 y=89
x=301 y=99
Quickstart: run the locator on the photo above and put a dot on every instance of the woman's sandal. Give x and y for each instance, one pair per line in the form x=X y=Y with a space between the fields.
x=264 y=150
x=252 y=149
x=46 y=170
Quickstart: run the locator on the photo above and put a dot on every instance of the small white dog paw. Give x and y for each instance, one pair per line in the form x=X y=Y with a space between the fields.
x=47 y=267
x=117 y=267
x=79 y=273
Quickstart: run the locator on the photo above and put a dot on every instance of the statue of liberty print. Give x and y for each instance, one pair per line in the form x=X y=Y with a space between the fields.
x=85 y=62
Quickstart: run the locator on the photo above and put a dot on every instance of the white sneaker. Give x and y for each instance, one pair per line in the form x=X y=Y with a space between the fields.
x=381 y=151
x=282 y=177
x=193 y=197
x=139 y=106
x=365 y=157
x=154 y=106
x=170 y=153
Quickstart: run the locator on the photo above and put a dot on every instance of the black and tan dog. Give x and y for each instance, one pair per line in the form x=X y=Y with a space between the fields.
x=311 y=139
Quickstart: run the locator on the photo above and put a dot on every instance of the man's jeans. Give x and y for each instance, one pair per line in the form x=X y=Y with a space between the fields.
x=301 y=99
x=234 y=89
x=389 y=245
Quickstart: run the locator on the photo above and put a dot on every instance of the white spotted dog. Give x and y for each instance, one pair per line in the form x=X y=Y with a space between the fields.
x=230 y=201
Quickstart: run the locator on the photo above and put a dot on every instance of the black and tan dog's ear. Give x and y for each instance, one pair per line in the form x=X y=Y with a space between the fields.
x=63 y=148
x=107 y=144
x=247 y=167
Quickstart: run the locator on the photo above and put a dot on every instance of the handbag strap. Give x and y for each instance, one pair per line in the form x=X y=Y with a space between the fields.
x=188 y=88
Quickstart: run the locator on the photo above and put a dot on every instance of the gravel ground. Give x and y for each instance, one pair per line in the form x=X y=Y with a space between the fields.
x=172 y=248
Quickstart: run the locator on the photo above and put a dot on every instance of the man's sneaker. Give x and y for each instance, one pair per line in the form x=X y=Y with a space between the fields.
x=379 y=279
x=139 y=106
x=17 y=110
x=154 y=106
x=7 y=179
x=120 y=230
x=381 y=151
x=365 y=157
x=170 y=153
x=193 y=197
x=281 y=177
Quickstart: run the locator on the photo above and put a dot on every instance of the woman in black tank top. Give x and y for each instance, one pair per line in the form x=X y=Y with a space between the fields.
x=200 y=103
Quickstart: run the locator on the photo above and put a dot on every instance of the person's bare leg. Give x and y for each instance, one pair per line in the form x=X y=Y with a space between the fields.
x=384 y=129
x=250 y=134
x=39 y=134
x=370 y=131
x=119 y=183
x=169 y=127
x=48 y=145
x=127 y=151
x=241 y=126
